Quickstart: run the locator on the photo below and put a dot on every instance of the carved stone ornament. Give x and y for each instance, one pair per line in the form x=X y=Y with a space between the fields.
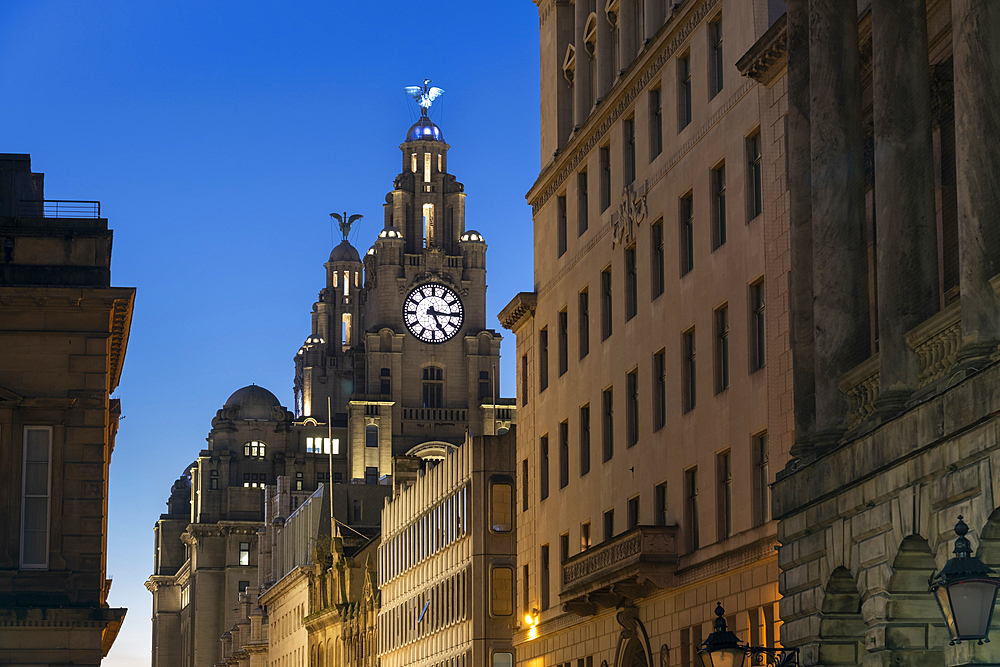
x=664 y=656
x=626 y=618
x=631 y=211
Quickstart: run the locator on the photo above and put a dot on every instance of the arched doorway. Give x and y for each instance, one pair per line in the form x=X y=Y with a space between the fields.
x=633 y=654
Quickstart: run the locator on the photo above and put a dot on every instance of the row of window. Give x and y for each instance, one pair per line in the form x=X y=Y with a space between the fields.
x=759 y=626
x=760 y=500
x=439 y=527
x=425 y=613
x=717 y=188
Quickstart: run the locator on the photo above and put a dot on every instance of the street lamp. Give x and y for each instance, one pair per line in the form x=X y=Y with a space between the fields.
x=722 y=648
x=965 y=591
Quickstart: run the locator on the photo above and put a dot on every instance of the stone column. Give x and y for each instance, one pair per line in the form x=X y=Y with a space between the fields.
x=800 y=205
x=581 y=81
x=840 y=263
x=976 y=45
x=605 y=66
x=905 y=214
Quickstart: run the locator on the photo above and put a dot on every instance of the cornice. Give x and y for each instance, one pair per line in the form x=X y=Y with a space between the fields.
x=513 y=313
x=121 y=325
x=577 y=151
x=768 y=56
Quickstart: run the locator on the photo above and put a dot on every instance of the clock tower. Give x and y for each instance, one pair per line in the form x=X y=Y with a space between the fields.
x=399 y=340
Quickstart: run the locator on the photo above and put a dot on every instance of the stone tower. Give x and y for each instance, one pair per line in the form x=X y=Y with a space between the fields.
x=399 y=342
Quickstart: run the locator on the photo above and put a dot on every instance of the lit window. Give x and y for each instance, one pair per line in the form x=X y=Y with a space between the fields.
x=35 y=497
x=440 y=168
x=254 y=449
x=502 y=507
x=298 y=481
x=244 y=553
x=427 y=167
x=347 y=283
x=585 y=536
x=345 y=329
x=428 y=224
x=502 y=591
x=413 y=162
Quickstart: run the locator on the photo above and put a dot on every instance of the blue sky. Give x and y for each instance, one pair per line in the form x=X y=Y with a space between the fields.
x=218 y=137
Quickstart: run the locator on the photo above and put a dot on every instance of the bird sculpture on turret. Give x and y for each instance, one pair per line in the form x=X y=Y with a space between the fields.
x=424 y=95
x=346 y=222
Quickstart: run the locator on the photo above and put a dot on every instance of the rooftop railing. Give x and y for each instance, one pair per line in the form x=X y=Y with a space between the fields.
x=58 y=208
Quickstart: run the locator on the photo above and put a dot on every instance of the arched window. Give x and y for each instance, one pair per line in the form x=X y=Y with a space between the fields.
x=254 y=449
x=345 y=330
x=371 y=435
x=428 y=225
x=502 y=506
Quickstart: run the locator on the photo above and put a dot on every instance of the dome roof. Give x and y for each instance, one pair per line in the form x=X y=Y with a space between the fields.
x=345 y=252
x=390 y=232
x=424 y=130
x=472 y=235
x=254 y=403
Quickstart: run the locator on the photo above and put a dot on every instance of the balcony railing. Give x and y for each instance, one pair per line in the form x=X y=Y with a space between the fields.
x=434 y=414
x=58 y=208
x=627 y=567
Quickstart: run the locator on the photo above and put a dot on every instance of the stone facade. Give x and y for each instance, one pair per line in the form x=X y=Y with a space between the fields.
x=657 y=334
x=893 y=440
x=446 y=562
x=63 y=334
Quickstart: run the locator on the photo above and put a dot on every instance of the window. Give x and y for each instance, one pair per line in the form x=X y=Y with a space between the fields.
x=725 y=500
x=371 y=435
x=607 y=404
x=606 y=322
x=244 y=553
x=563 y=454
x=584 y=440
x=628 y=158
x=243 y=586
x=429 y=231
x=433 y=378
x=657 y=259
x=525 y=591
x=563 y=547
x=543 y=472
x=371 y=475
x=584 y=302
x=503 y=659
x=582 y=210
x=687 y=234
x=502 y=507
x=298 y=481
x=524 y=485
x=543 y=583
x=543 y=359
x=718 y=206
x=563 y=341
x=632 y=518
x=36 y=488
x=427 y=167
x=632 y=408
x=385 y=382
x=660 y=504
x=485 y=387
x=691 y=493
x=721 y=349
x=605 y=178
x=357 y=511
x=683 y=91
x=502 y=591
x=757 y=341
x=213 y=482
x=254 y=449
x=609 y=524
x=655 y=123
x=561 y=226
x=659 y=390
x=715 y=60
x=524 y=379
x=585 y=536
x=688 y=389
x=631 y=285
x=761 y=478
x=755 y=191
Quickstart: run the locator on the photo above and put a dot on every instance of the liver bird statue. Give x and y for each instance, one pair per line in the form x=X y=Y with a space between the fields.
x=425 y=95
x=345 y=222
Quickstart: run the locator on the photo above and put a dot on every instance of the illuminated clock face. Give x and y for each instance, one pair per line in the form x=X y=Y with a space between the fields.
x=433 y=313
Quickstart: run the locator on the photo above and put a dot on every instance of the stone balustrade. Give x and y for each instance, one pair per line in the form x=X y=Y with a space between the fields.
x=936 y=341
x=861 y=384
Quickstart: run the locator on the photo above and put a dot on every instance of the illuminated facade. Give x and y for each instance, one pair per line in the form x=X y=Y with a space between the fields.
x=654 y=385
x=446 y=562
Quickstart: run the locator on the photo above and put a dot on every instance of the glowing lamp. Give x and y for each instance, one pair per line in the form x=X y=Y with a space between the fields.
x=722 y=647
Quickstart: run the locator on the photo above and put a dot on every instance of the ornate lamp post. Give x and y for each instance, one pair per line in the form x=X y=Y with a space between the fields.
x=965 y=591
x=722 y=648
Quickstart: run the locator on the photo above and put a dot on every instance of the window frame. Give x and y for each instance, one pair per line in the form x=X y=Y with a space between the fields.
x=689 y=375
x=755 y=176
x=720 y=317
x=718 y=190
x=655 y=122
x=48 y=430
x=495 y=482
x=493 y=590
x=686 y=232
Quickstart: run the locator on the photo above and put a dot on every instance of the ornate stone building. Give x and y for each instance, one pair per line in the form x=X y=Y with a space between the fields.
x=892 y=117
x=399 y=348
x=653 y=366
x=63 y=334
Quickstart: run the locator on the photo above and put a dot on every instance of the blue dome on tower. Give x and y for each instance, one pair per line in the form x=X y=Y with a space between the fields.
x=424 y=130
